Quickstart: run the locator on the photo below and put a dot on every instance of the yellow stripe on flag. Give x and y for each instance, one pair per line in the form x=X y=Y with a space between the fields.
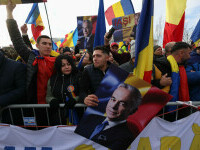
x=39 y=21
x=118 y=10
x=145 y=58
x=196 y=43
x=69 y=41
x=173 y=63
x=175 y=10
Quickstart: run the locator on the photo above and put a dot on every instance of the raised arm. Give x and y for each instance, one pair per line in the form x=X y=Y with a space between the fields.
x=15 y=35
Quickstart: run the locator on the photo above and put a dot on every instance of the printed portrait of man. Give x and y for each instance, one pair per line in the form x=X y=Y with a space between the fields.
x=86 y=42
x=111 y=130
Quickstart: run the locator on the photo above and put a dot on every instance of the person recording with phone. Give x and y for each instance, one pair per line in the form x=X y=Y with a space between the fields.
x=113 y=47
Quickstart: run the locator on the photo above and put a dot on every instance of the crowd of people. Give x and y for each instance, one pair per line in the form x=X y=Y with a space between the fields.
x=38 y=77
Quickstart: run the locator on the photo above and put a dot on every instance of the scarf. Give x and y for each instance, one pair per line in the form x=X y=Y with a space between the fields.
x=179 y=87
x=45 y=70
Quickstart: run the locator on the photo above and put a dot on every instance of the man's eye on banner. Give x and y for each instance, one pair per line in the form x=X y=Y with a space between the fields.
x=125 y=27
x=127 y=104
x=5 y=2
x=86 y=31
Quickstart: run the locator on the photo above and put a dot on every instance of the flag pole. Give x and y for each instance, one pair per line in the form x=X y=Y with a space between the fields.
x=48 y=22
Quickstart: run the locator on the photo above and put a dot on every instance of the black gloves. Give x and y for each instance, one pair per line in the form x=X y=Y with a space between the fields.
x=69 y=104
x=54 y=104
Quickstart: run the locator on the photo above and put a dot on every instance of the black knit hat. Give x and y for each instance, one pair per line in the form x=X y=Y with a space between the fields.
x=66 y=49
x=156 y=47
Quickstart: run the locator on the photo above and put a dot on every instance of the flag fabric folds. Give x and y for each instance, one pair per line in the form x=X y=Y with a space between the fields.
x=179 y=87
x=54 y=46
x=121 y=8
x=5 y=2
x=70 y=39
x=144 y=42
x=100 y=26
x=195 y=37
x=35 y=19
x=174 y=24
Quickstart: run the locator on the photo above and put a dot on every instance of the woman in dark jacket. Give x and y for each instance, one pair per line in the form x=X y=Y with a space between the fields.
x=63 y=87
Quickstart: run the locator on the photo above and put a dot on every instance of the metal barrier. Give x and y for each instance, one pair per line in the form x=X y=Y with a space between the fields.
x=36 y=116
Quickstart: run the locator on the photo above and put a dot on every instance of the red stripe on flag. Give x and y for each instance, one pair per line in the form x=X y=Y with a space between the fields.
x=173 y=33
x=36 y=31
x=147 y=76
x=151 y=105
x=109 y=15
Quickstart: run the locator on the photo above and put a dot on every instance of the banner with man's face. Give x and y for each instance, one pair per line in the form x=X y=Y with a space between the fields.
x=86 y=31
x=126 y=106
x=5 y=2
x=125 y=27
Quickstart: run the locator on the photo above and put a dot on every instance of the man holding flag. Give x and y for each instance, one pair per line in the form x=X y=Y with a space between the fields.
x=39 y=68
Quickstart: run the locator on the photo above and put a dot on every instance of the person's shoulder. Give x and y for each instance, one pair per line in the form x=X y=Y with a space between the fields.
x=88 y=67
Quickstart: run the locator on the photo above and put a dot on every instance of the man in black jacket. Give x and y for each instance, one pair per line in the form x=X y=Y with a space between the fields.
x=39 y=69
x=12 y=81
x=93 y=75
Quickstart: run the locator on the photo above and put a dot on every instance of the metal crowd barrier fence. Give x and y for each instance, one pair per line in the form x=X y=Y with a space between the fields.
x=37 y=116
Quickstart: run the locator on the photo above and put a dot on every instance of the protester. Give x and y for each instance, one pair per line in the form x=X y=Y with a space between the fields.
x=63 y=87
x=179 y=87
x=193 y=74
x=86 y=59
x=120 y=58
x=161 y=72
x=93 y=74
x=129 y=66
x=168 y=48
x=157 y=50
x=12 y=86
x=112 y=60
x=39 y=69
x=67 y=51
x=114 y=132
x=13 y=81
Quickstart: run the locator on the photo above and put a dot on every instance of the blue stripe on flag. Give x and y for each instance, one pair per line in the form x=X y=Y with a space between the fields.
x=127 y=7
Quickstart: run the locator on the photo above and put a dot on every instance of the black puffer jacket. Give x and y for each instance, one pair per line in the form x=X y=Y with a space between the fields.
x=60 y=83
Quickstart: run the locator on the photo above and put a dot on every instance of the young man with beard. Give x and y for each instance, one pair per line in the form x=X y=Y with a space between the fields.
x=93 y=75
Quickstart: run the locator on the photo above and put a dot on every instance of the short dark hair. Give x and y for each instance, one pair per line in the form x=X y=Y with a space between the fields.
x=180 y=45
x=42 y=36
x=104 y=49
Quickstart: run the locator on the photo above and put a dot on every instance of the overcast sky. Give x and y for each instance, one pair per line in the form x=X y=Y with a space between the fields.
x=63 y=15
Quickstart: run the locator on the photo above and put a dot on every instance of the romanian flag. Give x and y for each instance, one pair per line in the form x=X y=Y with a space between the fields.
x=59 y=43
x=121 y=8
x=179 y=87
x=5 y=2
x=196 y=34
x=70 y=39
x=35 y=19
x=174 y=24
x=144 y=42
